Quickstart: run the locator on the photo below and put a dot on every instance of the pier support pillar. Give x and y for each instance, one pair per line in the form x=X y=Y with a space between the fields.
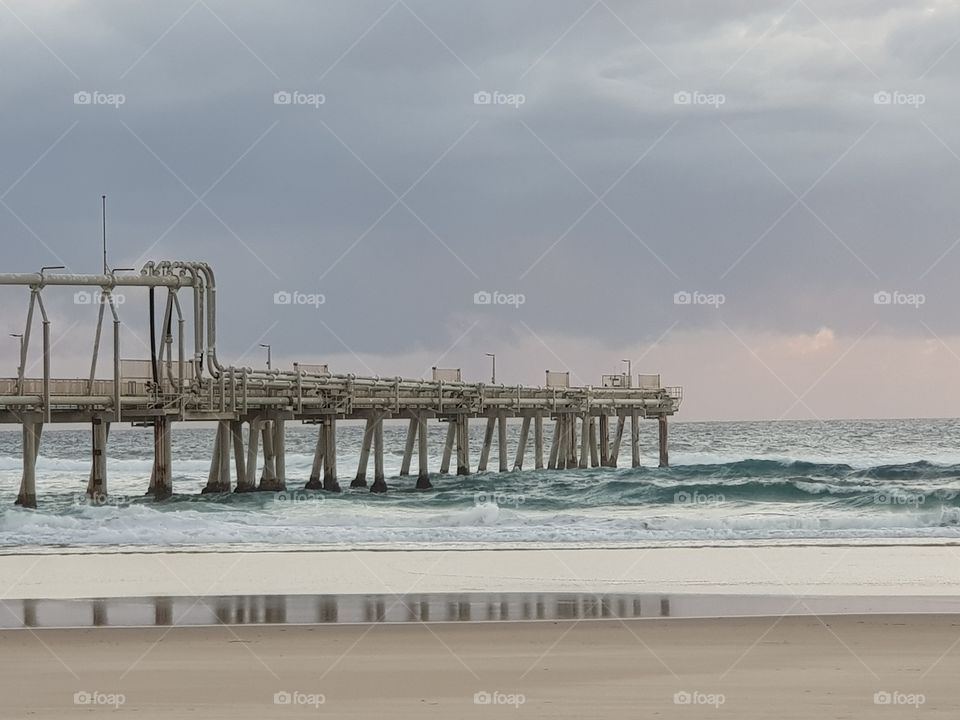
x=330 y=482
x=604 y=440
x=502 y=441
x=274 y=434
x=448 y=447
x=594 y=451
x=360 y=479
x=161 y=480
x=617 y=440
x=585 y=428
x=634 y=439
x=538 y=440
x=487 y=444
x=571 y=440
x=664 y=453
x=97 y=485
x=249 y=481
x=239 y=461
x=27 y=497
x=555 y=443
x=316 y=470
x=218 y=479
x=463 y=446
x=379 y=484
x=522 y=443
x=408 y=448
x=423 y=477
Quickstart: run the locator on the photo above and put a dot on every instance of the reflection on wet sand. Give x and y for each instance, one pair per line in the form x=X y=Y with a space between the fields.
x=439 y=607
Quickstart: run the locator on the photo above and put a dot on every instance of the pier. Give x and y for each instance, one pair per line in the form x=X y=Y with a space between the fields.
x=251 y=407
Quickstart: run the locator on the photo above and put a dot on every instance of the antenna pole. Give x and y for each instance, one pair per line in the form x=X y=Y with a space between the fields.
x=103 y=217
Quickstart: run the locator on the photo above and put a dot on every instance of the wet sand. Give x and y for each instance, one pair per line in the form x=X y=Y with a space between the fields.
x=810 y=570
x=794 y=667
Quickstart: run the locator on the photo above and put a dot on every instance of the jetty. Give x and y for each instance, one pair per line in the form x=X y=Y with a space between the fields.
x=251 y=407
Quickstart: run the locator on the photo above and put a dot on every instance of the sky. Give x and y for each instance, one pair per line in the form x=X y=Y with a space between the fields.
x=756 y=200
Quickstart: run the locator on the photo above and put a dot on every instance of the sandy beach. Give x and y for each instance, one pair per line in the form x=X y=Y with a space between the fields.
x=745 y=668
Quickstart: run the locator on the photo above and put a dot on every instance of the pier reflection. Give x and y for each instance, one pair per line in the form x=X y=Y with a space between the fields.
x=326 y=609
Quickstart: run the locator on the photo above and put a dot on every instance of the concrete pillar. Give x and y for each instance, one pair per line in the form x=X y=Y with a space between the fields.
x=249 y=483
x=463 y=447
x=316 y=470
x=555 y=443
x=594 y=451
x=361 y=477
x=423 y=477
x=538 y=440
x=664 y=452
x=522 y=443
x=27 y=497
x=571 y=440
x=502 y=441
x=634 y=439
x=584 y=441
x=330 y=482
x=487 y=444
x=161 y=480
x=604 y=440
x=239 y=461
x=448 y=447
x=274 y=463
x=97 y=485
x=617 y=440
x=408 y=449
x=379 y=484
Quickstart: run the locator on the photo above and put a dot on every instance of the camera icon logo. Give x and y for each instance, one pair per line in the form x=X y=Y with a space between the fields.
x=882 y=297
x=482 y=297
x=282 y=297
x=682 y=298
x=82 y=98
x=482 y=698
x=883 y=97
x=482 y=98
x=282 y=98
x=683 y=97
x=82 y=697
x=682 y=698
x=282 y=698
x=82 y=297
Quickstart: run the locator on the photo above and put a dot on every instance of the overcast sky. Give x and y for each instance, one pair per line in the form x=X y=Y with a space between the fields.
x=781 y=163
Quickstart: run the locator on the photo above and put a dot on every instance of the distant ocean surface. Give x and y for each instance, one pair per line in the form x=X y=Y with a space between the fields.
x=742 y=481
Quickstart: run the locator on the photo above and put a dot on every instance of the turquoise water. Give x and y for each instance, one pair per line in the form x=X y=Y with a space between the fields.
x=729 y=481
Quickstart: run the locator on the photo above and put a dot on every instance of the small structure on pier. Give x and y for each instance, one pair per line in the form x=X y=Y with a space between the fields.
x=177 y=385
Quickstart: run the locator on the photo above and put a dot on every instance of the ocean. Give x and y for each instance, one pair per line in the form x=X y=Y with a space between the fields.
x=852 y=480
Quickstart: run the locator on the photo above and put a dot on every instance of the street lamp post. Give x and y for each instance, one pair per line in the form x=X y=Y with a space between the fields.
x=268 y=347
x=629 y=372
x=493 y=372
